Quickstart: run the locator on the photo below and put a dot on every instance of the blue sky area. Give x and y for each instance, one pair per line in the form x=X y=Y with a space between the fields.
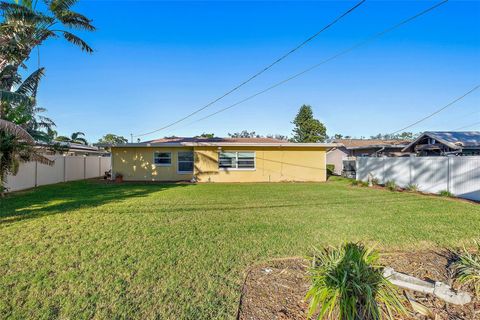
x=156 y=61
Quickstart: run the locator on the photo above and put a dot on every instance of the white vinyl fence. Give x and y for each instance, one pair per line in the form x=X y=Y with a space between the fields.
x=66 y=168
x=459 y=175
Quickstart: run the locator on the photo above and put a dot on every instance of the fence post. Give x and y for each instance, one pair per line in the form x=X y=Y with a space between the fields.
x=36 y=174
x=99 y=166
x=449 y=170
x=64 y=168
x=410 y=165
x=84 y=167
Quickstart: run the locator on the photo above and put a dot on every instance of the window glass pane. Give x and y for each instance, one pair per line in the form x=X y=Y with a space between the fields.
x=185 y=156
x=227 y=160
x=246 y=163
x=163 y=154
x=246 y=160
x=246 y=155
x=162 y=158
x=185 y=166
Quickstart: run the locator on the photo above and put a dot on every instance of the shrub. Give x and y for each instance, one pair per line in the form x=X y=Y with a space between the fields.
x=445 y=193
x=412 y=187
x=391 y=185
x=375 y=181
x=468 y=268
x=359 y=183
x=348 y=283
x=330 y=169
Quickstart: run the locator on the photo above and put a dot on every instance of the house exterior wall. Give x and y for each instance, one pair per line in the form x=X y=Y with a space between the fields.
x=336 y=157
x=136 y=164
x=272 y=164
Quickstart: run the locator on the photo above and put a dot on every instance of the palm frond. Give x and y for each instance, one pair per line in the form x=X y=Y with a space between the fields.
x=41 y=159
x=58 y=6
x=70 y=37
x=62 y=139
x=30 y=85
x=17 y=131
x=76 y=20
x=13 y=97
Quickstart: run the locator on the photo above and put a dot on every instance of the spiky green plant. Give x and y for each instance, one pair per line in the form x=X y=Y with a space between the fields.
x=412 y=187
x=445 y=193
x=391 y=185
x=468 y=268
x=348 y=284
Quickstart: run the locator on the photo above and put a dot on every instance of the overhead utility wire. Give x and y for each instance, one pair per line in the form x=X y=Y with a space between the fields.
x=259 y=72
x=467 y=126
x=439 y=110
x=337 y=55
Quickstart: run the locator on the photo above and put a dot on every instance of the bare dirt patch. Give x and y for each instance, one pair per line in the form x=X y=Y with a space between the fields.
x=276 y=290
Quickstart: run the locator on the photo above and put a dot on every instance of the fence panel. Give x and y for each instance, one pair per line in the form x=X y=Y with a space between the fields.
x=459 y=175
x=74 y=168
x=105 y=164
x=51 y=174
x=465 y=174
x=65 y=168
x=92 y=167
x=24 y=179
x=373 y=166
x=430 y=173
x=398 y=170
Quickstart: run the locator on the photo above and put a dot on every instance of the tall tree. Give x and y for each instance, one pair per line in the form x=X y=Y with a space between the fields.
x=307 y=128
x=112 y=139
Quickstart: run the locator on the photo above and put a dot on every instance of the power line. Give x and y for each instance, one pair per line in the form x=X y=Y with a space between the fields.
x=259 y=72
x=439 y=110
x=467 y=126
x=337 y=55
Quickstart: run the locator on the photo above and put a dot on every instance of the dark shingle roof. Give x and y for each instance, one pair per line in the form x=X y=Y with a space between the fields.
x=208 y=140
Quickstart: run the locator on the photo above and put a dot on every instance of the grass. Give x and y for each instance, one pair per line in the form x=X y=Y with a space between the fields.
x=90 y=250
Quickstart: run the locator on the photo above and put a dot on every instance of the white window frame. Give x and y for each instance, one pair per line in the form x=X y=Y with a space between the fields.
x=178 y=162
x=236 y=160
x=162 y=164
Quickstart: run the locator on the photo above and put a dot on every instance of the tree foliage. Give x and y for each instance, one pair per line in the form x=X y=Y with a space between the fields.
x=112 y=139
x=23 y=26
x=76 y=137
x=307 y=128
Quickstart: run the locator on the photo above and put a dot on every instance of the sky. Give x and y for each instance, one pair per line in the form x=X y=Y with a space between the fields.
x=157 y=61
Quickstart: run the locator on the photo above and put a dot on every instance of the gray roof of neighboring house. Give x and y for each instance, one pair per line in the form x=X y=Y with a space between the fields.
x=453 y=139
x=74 y=146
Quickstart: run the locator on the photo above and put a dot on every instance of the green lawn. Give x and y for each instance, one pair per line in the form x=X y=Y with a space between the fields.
x=90 y=250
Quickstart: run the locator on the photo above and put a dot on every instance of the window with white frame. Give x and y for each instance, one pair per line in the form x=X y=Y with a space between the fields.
x=162 y=158
x=236 y=160
x=185 y=162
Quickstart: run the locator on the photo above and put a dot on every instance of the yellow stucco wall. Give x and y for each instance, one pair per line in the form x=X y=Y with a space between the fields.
x=136 y=164
x=272 y=164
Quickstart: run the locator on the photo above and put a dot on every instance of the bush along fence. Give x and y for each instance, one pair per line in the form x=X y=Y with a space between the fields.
x=66 y=168
x=459 y=176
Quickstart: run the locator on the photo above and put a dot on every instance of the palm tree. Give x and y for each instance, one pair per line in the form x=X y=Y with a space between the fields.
x=76 y=137
x=25 y=27
x=20 y=126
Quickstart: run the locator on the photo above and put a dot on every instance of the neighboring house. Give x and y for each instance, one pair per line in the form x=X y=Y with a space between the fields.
x=442 y=143
x=220 y=160
x=363 y=148
x=71 y=149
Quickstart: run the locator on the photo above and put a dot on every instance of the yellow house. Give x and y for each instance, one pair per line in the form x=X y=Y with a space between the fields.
x=220 y=160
